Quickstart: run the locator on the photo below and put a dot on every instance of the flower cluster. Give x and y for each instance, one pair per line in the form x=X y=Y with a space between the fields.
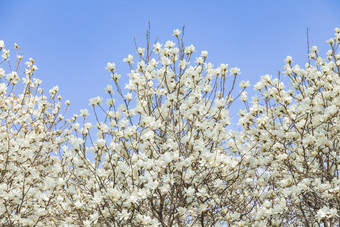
x=32 y=130
x=293 y=131
x=160 y=157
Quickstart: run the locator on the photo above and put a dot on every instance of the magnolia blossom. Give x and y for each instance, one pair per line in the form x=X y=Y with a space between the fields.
x=176 y=32
x=128 y=59
x=111 y=66
x=96 y=101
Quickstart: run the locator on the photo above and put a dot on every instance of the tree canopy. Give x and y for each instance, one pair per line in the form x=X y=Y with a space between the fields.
x=165 y=153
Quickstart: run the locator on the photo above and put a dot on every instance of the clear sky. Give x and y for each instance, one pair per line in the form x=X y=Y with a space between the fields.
x=72 y=40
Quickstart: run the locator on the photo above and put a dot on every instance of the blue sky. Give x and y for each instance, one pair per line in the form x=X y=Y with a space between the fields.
x=72 y=41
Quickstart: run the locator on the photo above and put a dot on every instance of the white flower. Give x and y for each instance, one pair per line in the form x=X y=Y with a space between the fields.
x=2 y=72
x=330 y=41
x=169 y=44
x=110 y=102
x=326 y=212
x=88 y=125
x=96 y=101
x=141 y=51
x=5 y=54
x=124 y=214
x=111 y=66
x=78 y=204
x=204 y=54
x=128 y=96
x=183 y=63
x=190 y=191
x=108 y=89
x=314 y=49
x=176 y=32
x=181 y=210
x=128 y=59
x=244 y=96
x=3 y=88
x=94 y=217
x=289 y=59
x=189 y=50
x=100 y=143
x=199 y=60
x=234 y=71
x=165 y=61
x=54 y=90
x=123 y=123
x=84 y=112
x=87 y=223
x=148 y=136
x=157 y=46
x=116 y=77
x=2 y=44
x=151 y=184
x=13 y=76
x=244 y=84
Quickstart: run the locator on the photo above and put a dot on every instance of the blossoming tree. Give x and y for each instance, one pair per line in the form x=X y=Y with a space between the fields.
x=163 y=154
x=294 y=133
x=31 y=133
x=161 y=157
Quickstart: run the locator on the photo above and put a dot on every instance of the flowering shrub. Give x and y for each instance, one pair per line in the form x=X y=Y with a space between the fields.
x=163 y=154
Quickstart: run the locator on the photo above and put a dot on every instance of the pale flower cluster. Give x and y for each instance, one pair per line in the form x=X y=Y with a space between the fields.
x=32 y=130
x=293 y=134
x=162 y=152
x=160 y=157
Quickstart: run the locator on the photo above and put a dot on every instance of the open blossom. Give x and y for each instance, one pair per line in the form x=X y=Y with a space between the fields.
x=325 y=212
x=289 y=59
x=54 y=90
x=128 y=96
x=109 y=89
x=169 y=44
x=111 y=66
x=176 y=32
x=96 y=101
x=184 y=63
x=141 y=51
x=5 y=54
x=129 y=59
x=3 y=88
x=84 y=112
x=189 y=50
x=244 y=84
x=157 y=46
x=204 y=54
x=235 y=71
